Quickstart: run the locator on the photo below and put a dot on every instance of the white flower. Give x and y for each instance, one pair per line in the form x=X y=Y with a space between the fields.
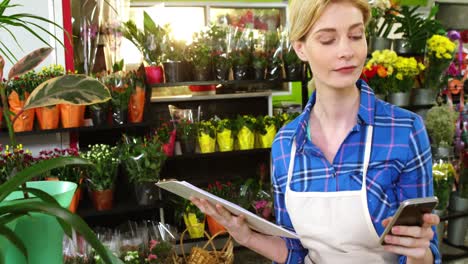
x=381 y=4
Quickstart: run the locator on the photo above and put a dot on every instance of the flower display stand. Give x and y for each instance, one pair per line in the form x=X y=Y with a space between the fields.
x=40 y=233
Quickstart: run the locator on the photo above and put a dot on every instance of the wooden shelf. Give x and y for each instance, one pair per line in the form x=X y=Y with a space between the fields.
x=219 y=154
x=119 y=209
x=228 y=82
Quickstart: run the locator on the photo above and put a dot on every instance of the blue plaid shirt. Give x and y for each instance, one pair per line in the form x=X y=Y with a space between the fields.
x=400 y=165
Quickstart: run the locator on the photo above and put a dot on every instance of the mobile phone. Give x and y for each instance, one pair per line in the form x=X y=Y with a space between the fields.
x=410 y=213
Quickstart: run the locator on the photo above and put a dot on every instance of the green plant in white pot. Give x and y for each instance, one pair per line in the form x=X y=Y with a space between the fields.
x=72 y=89
x=440 y=125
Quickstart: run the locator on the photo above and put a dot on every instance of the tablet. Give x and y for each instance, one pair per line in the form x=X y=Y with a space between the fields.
x=187 y=190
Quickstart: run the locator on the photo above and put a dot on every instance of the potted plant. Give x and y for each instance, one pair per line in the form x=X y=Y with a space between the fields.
x=39 y=209
x=12 y=160
x=221 y=60
x=149 y=42
x=378 y=72
x=415 y=29
x=99 y=113
x=187 y=134
x=259 y=65
x=143 y=159
x=439 y=55
x=241 y=55
x=194 y=220
x=405 y=72
x=101 y=177
x=207 y=136
x=440 y=125
x=200 y=54
x=294 y=67
x=137 y=101
x=166 y=134
x=174 y=61
x=118 y=85
x=380 y=25
x=246 y=134
x=49 y=117
x=274 y=52
x=18 y=91
x=265 y=128
x=226 y=131
x=160 y=252
x=458 y=203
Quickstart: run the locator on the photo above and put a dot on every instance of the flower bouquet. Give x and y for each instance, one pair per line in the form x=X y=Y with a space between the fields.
x=18 y=91
x=226 y=191
x=439 y=55
x=379 y=70
x=207 y=136
x=246 y=134
x=166 y=134
x=266 y=128
x=160 y=252
x=13 y=160
x=263 y=205
x=406 y=70
x=225 y=134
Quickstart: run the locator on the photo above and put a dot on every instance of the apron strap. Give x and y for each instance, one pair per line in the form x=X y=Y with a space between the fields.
x=292 y=157
x=367 y=152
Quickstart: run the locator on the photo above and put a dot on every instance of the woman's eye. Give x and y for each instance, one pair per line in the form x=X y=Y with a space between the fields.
x=356 y=37
x=327 y=41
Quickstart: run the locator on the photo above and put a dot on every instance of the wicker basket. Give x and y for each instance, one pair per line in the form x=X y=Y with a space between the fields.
x=200 y=255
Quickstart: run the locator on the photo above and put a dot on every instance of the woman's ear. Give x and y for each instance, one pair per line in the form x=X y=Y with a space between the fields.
x=299 y=47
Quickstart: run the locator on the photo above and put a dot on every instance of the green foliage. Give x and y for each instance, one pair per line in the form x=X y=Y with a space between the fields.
x=290 y=57
x=440 y=125
x=263 y=122
x=207 y=127
x=142 y=158
x=247 y=121
x=227 y=191
x=227 y=123
x=186 y=129
x=417 y=29
x=199 y=52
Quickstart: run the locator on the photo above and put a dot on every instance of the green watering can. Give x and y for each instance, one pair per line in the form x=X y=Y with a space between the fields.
x=41 y=234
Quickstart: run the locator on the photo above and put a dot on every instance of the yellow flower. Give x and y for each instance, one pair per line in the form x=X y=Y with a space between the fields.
x=399 y=76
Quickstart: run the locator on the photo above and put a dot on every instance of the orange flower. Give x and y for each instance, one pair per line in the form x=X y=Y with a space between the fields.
x=381 y=71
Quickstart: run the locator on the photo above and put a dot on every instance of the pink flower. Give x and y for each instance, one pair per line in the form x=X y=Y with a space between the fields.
x=260 y=204
x=152 y=257
x=153 y=243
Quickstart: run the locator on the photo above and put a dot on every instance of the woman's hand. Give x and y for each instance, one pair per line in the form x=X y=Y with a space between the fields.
x=235 y=225
x=412 y=241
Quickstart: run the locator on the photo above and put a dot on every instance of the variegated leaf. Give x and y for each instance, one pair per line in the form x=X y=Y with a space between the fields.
x=68 y=89
x=2 y=65
x=29 y=62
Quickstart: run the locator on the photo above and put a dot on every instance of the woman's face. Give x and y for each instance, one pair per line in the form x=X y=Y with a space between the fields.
x=335 y=46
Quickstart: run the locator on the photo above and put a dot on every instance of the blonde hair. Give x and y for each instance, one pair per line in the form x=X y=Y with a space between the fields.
x=304 y=13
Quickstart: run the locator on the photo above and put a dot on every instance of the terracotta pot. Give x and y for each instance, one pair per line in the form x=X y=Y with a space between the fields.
x=136 y=105
x=48 y=117
x=25 y=121
x=52 y=179
x=75 y=200
x=103 y=200
x=214 y=226
x=72 y=115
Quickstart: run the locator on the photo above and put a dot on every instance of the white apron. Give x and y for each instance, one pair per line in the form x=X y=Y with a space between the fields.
x=336 y=227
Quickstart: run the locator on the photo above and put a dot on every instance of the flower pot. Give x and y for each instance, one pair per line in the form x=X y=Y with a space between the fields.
x=225 y=140
x=241 y=72
x=187 y=145
x=102 y=200
x=274 y=73
x=75 y=200
x=173 y=71
x=259 y=74
x=294 y=71
x=168 y=148
x=222 y=72
x=421 y=96
x=195 y=228
x=119 y=116
x=99 y=116
x=48 y=117
x=399 y=99
x=245 y=139
x=146 y=193
x=187 y=71
x=440 y=229
x=72 y=115
x=136 y=105
x=402 y=46
x=265 y=141
x=207 y=144
x=202 y=73
x=457 y=227
x=25 y=121
x=40 y=233
x=214 y=227
x=154 y=74
x=378 y=43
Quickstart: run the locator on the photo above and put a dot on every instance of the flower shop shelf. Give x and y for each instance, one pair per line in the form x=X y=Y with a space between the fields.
x=83 y=129
x=191 y=97
x=219 y=154
x=229 y=82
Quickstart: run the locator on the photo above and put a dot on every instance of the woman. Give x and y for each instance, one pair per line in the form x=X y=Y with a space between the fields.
x=343 y=166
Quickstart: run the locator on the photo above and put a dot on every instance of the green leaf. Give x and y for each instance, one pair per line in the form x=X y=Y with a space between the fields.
x=75 y=221
x=37 y=170
x=68 y=89
x=29 y=61
x=148 y=23
x=14 y=239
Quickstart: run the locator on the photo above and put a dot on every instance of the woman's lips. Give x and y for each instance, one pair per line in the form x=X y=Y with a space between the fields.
x=345 y=70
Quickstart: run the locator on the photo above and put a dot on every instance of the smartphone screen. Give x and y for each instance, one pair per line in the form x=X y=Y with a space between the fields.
x=410 y=213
